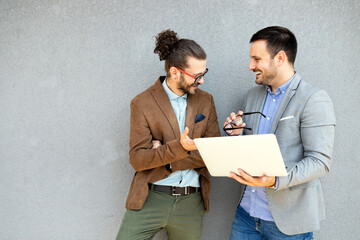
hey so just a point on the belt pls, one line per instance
(175, 191)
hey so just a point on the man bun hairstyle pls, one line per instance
(164, 43)
(277, 39)
(176, 51)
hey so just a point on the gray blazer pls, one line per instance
(304, 127)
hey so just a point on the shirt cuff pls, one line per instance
(276, 184)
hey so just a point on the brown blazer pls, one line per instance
(152, 117)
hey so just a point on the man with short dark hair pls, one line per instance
(171, 186)
(302, 118)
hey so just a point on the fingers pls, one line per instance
(186, 130)
(243, 177)
(187, 143)
(247, 179)
(185, 133)
(156, 143)
(233, 175)
(229, 119)
(234, 121)
(237, 177)
(236, 118)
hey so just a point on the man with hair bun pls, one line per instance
(171, 186)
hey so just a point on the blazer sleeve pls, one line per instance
(142, 155)
(317, 127)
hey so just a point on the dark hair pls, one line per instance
(176, 51)
(277, 39)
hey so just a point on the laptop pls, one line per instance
(258, 155)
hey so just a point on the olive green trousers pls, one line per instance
(180, 216)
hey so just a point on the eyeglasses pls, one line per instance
(233, 126)
(196, 78)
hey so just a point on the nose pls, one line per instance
(251, 65)
(201, 80)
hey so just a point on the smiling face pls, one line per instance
(181, 83)
(262, 64)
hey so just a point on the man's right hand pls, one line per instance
(234, 120)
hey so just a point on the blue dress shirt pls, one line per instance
(254, 200)
(187, 177)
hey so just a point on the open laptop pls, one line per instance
(258, 155)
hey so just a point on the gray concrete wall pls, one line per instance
(68, 70)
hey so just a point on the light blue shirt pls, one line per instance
(254, 200)
(181, 178)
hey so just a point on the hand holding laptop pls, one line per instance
(247, 179)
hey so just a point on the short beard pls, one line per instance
(271, 75)
(186, 88)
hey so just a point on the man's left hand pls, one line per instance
(156, 143)
(246, 179)
(187, 143)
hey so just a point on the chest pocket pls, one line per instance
(288, 129)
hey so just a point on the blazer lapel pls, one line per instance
(163, 102)
(191, 111)
(258, 108)
(254, 103)
(285, 102)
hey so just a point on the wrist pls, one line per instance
(273, 186)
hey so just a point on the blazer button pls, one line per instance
(165, 176)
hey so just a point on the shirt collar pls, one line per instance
(282, 88)
(171, 94)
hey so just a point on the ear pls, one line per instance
(173, 72)
(280, 58)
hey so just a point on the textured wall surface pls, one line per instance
(68, 70)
